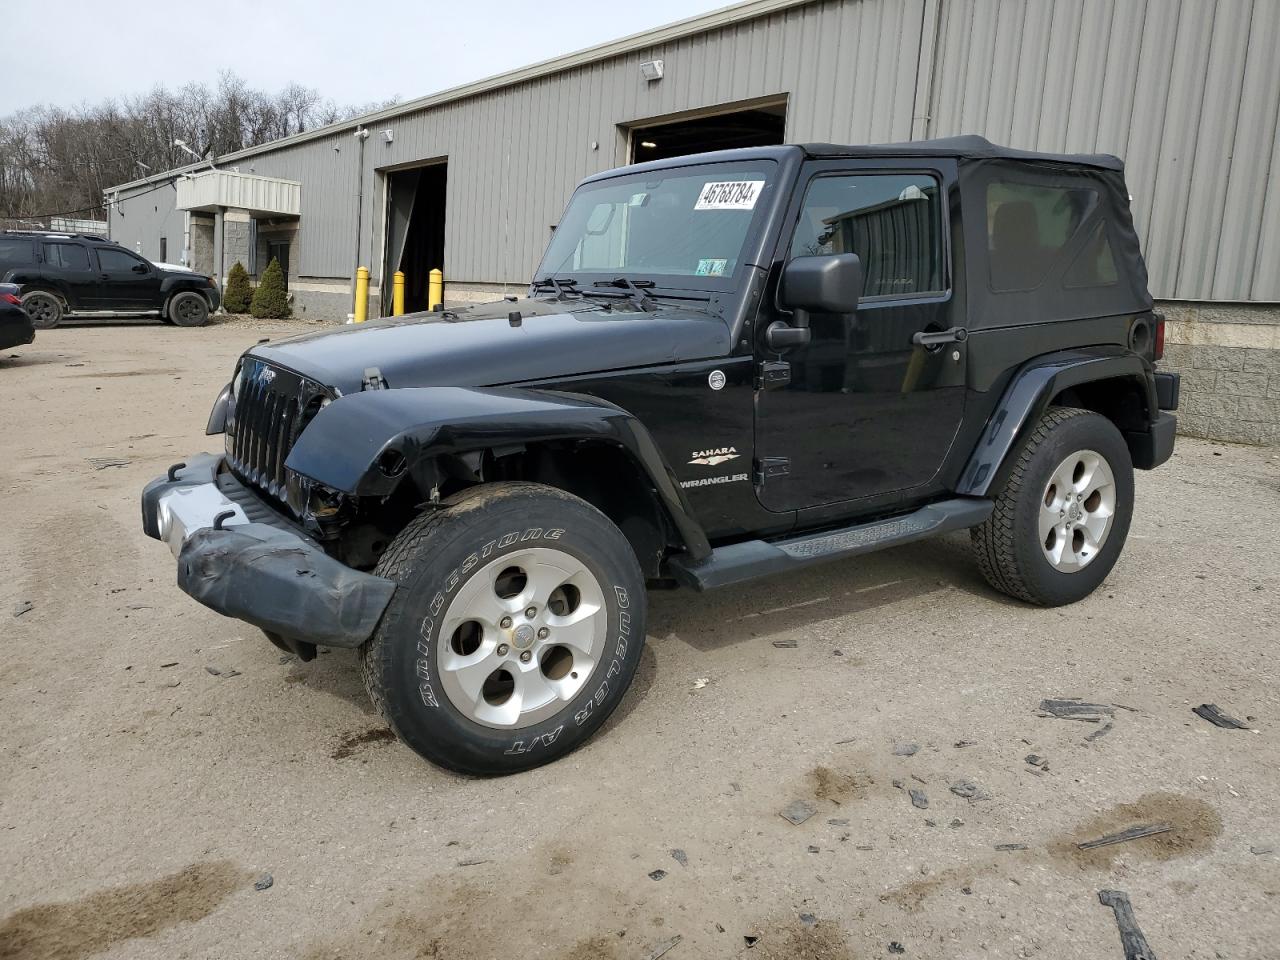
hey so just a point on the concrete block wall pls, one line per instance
(1229, 360)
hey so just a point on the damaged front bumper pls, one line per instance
(237, 556)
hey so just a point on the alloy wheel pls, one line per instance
(522, 638)
(1077, 510)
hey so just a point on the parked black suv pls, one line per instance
(76, 274)
(728, 366)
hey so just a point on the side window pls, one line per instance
(15, 252)
(66, 256)
(116, 261)
(893, 222)
(1028, 226)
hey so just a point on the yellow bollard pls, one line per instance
(362, 294)
(435, 289)
(397, 294)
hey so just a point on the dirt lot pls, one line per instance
(141, 794)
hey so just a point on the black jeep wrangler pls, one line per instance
(729, 366)
(87, 276)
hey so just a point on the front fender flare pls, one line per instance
(344, 447)
(1029, 394)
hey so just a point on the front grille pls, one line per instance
(270, 408)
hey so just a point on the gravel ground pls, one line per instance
(142, 793)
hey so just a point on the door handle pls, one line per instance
(936, 338)
(106, 276)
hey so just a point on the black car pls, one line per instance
(87, 276)
(16, 328)
(728, 366)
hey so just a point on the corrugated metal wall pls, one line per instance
(1186, 91)
(145, 218)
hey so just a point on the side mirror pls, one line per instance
(140, 268)
(825, 284)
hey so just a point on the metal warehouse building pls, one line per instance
(472, 180)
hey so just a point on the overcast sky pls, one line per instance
(352, 52)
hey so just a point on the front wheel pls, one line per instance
(44, 309)
(515, 630)
(189, 310)
(1062, 517)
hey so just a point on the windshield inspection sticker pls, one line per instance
(711, 267)
(730, 195)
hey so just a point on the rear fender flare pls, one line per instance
(353, 439)
(1028, 395)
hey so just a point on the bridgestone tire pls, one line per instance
(433, 560)
(189, 310)
(1009, 550)
(44, 309)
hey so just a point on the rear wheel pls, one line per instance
(189, 310)
(516, 629)
(1061, 520)
(44, 309)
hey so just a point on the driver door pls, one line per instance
(862, 411)
(126, 282)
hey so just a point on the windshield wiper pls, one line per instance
(561, 287)
(637, 296)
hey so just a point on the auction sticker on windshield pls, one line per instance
(729, 195)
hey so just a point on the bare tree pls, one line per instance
(56, 161)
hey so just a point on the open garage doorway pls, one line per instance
(760, 124)
(415, 232)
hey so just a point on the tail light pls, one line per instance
(10, 298)
(1159, 338)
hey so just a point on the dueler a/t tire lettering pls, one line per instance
(434, 559)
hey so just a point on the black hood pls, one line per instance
(480, 346)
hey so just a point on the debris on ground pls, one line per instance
(969, 790)
(750, 939)
(906, 749)
(700, 682)
(224, 674)
(473, 862)
(166, 666)
(839, 822)
(808, 919)
(1101, 732)
(1262, 851)
(1131, 938)
(1072, 709)
(102, 463)
(657, 874)
(956, 822)
(785, 644)
(663, 947)
(1037, 761)
(961, 744)
(813, 849)
(1005, 847)
(896, 947)
(798, 811)
(680, 857)
(1218, 717)
(24, 606)
(1123, 836)
(264, 882)
(918, 799)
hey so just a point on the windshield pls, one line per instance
(677, 227)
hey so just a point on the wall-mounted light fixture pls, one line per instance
(651, 70)
(648, 144)
(388, 136)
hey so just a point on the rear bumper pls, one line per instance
(264, 573)
(1152, 448)
(15, 331)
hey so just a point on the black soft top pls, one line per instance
(969, 147)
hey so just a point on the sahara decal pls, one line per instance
(717, 455)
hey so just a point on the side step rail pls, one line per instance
(739, 562)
